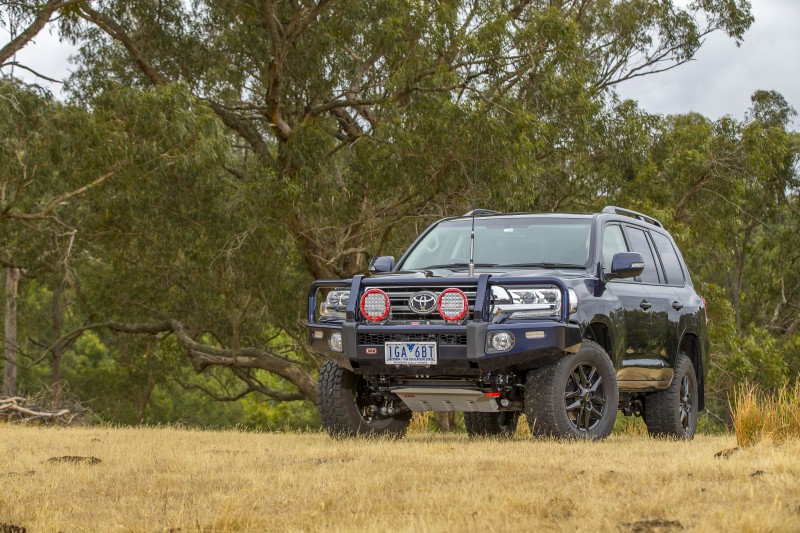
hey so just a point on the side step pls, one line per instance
(428, 399)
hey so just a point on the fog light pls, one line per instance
(335, 341)
(318, 334)
(501, 341)
(534, 334)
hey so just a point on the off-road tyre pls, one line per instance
(500, 424)
(551, 393)
(672, 412)
(337, 390)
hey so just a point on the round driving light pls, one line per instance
(375, 305)
(501, 341)
(335, 341)
(453, 304)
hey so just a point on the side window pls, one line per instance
(669, 259)
(639, 244)
(613, 242)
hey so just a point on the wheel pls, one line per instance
(343, 400)
(574, 397)
(500, 424)
(672, 412)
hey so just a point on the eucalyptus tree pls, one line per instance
(350, 125)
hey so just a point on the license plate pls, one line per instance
(410, 353)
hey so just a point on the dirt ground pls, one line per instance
(168, 479)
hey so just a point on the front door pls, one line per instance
(630, 294)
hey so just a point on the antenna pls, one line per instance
(474, 207)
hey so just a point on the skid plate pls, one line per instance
(428, 399)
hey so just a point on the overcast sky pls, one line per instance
(718, 82)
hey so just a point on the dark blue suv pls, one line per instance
(567, 318)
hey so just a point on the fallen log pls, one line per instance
(10, 407)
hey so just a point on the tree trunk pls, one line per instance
(10, 333)
(58, 347)
(447, 421)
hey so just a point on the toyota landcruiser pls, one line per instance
(568, 318)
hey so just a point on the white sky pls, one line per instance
(722, 77)
(718, 82)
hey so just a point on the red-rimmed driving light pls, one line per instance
(453, 304)
(375, 305)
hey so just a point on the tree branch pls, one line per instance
(117, 32)
(31, 31)
(53, 204)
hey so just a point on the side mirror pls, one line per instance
(625, 265)
(384, 263)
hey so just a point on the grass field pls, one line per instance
(184, 480)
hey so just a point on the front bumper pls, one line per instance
(461, 349)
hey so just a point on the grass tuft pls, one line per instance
(759, 415)
(421, 422)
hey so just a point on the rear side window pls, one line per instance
(669, 259)
(613, 243)
(639, 244)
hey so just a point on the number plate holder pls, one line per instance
(411, 353)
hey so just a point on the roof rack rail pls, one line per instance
(633, 214)
(479, 212)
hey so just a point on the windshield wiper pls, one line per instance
(542, 265)
(452, 266)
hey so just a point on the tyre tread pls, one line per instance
(661, 416)
(487, 424)
(337, 410)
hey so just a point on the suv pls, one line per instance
(564, 317)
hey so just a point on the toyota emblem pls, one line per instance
(423, 302)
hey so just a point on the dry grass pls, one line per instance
(759, 416)
(180, 480)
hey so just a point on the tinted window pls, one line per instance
(669, 259)
(613, 243)
(639, 244)
(505, 241)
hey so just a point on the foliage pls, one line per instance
(244, 149)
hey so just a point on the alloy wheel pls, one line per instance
(584, 397)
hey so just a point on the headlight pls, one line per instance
(531, 302)
(335, 304)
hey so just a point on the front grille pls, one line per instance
(398, 296)
(458, 339)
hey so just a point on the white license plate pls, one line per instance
(410, 353)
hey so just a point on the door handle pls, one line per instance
(676, 305)
(645, 305)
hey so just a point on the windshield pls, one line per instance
(504, 242)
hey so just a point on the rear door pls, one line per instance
(679, 293)
(653, 299)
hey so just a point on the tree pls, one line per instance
(350, 124)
